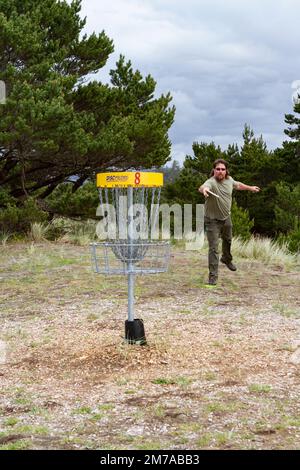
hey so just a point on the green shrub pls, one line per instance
(6, 198)
(242, 224)
(82, 203)
(14, 219)
(291, 240)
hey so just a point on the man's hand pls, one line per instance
(254, 189)
(204, 190)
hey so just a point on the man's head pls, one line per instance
(220, 169)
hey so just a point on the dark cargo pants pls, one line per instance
(214, 230)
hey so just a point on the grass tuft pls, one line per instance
(38, 231)
(265, 250)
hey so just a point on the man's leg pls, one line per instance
(226, 244)
(226, 241)
(213, 233)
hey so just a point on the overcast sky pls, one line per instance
(226, 63)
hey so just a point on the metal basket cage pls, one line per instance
(140, 257)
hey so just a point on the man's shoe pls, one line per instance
(212, 281)
(229, 265)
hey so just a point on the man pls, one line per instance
(217, 191)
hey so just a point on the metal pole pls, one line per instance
(130, 297)
(130, 251)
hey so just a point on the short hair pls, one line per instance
(216, 162)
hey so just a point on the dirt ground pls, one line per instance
(221, 368)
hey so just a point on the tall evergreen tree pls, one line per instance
(289, 154)
(54, 124)
(293, 131)
(253, 164)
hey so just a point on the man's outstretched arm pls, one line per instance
(204, 189)
(244, 187)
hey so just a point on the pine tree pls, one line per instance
(293, 131)
(53, 124)
(253, 164)
(289, 154)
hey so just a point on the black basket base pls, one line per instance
(135, 332)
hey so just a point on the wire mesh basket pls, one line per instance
(120, 257)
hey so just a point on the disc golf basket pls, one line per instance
(129, 203)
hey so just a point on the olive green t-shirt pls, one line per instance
(219, 207)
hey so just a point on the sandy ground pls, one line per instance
(221, 368)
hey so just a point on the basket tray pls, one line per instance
(123, 257)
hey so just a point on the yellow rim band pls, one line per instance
(129, 178)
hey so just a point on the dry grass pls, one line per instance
(219, 370)
(38, 232)
(265, 250)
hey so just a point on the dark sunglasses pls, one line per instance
(220, 169)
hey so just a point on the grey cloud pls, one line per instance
(225, 63)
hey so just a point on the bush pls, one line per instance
(242, 224)
(19, 219)
(6, 198)
(82, 203)
(291, 240)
